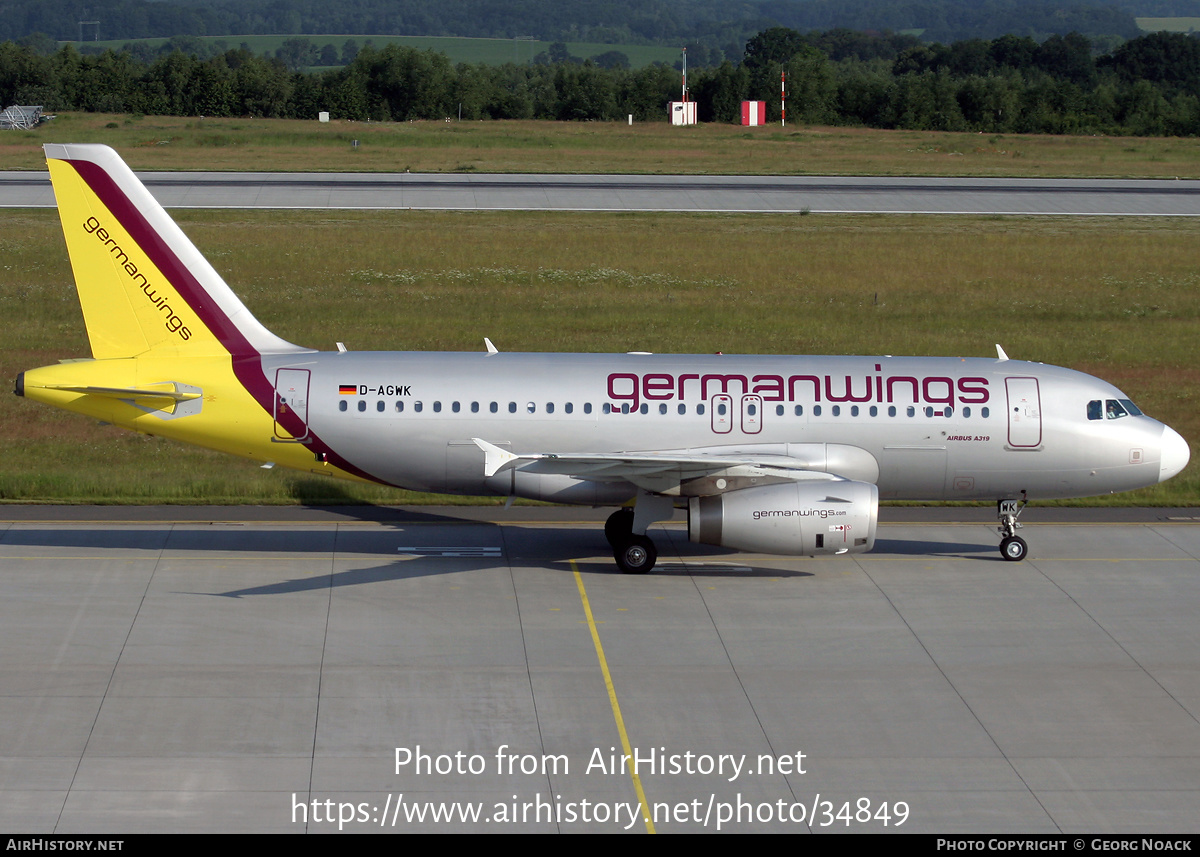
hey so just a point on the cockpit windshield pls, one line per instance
(1111, 409)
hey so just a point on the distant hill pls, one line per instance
(721, 27)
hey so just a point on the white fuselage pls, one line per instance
(937, 428)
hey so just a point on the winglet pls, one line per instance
(495, 459)
(1000, 355)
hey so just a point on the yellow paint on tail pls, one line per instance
(158, 366)
(129, 305)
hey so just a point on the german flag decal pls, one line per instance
(347, 389)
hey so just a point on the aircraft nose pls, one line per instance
(1175, 454)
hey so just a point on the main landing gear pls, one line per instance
(1012, 546)
(625, 530)
(635, 554)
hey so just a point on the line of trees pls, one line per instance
(1147, 86)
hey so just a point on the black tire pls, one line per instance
(1013, 548)
(636, 556)
(619, 527)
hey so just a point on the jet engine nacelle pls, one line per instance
(793, 518)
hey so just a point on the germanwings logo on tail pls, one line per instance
(172, 321)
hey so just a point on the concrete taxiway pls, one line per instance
(257, 670)
(823, 194)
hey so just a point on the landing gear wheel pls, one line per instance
(619, 527)
(636, 556)
(1013, 548)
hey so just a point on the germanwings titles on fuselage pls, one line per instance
(777, 454)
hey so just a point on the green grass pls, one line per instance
(477, 51)
(1118, 297)
(171, 143)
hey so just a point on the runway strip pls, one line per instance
(821, 194)
(260, 676)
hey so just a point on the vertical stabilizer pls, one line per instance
(144, 287)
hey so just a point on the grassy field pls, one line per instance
(169, 143)
(1170, 25)
(1119, 298)
(485, 51)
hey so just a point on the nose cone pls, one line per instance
(1175, 454)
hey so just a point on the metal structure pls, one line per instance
(21, 117)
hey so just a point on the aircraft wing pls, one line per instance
(670, 473)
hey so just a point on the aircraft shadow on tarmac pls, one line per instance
(552, 548)
(915, 547)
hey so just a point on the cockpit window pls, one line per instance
(1112, 409)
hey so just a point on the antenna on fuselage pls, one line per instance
(1000, 352)
(491, 348)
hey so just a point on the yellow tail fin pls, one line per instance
(144, 287)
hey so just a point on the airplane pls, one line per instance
(775, 454)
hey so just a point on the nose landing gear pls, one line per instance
(1012, 546)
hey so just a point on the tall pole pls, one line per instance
(685, 76)
(782, 100)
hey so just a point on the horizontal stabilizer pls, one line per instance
(158, 397)
(128, 392)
